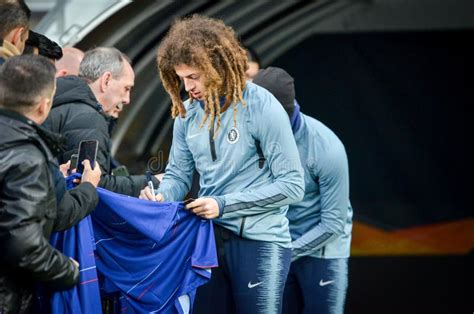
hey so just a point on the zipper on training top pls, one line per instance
(212, 144)
(242, 225)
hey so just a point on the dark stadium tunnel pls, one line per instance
(389, 77)
(137, 30)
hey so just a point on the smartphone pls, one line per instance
(73, 164)
(120, 171)
(87, 150)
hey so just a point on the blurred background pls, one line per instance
(390, 77)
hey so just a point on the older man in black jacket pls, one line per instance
(28, 211)
(87, 106)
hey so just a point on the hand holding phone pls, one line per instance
(91, 175)
(87, 150)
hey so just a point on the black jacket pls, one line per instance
(78, 116)
(28, 215)
(73, 205)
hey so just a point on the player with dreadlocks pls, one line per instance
(220, 56)
(247, 160)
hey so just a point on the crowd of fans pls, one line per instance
(273, 181)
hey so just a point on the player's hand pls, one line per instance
(146, 194)
(205, 207)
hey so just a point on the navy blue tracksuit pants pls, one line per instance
(316, 285)
(250, 279)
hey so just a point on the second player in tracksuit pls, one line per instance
(321, 224)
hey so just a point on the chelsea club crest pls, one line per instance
(233, 136)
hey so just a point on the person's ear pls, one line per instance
(18, 35)
(105, 81)
(44, 106)
(62, 72)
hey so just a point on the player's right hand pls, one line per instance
(146, 194)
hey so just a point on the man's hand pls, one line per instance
(64, 168)
(146, 194)
(205, 207)
(89, 175)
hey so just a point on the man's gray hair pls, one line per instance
(100, 60)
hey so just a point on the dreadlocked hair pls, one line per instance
(212, 47)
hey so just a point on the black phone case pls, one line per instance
(87, 150)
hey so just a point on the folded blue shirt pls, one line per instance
(151, 253)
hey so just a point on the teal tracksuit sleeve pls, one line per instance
(179, 171)
(272, 129)
(331, 170)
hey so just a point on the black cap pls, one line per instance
(46, 47)
(278, 82)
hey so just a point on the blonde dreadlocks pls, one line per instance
(212, 47)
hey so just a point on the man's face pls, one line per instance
(47, 102)
(193, 80)
(118, 91)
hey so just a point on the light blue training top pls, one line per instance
(253, 170)
(321, 224)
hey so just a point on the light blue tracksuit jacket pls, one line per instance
(321, 224)
(253, 170)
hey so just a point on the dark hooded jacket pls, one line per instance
(77, 115)
(28, 215)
